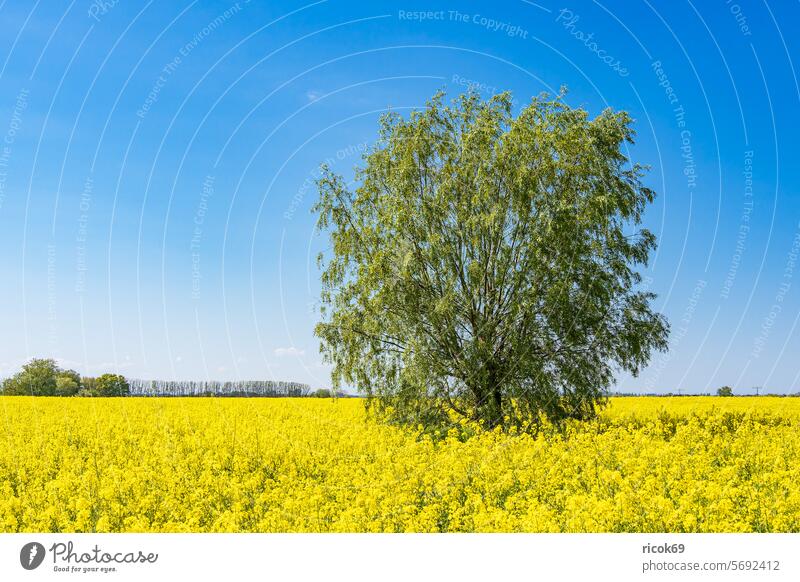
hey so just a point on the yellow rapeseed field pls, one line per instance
(241, 465)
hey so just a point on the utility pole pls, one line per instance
(757, 389)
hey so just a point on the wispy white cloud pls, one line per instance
(313, 95)
(289, 352)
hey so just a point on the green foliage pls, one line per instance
(88, 386)
(66, 385)
(42, 377)
(484, 268)
(322, 393)
(725, 391)
(111, 385)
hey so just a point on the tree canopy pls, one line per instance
(484, 267)
(725, 391)
(111, 385)
(42, 377)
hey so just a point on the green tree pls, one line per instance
(112, 385)
(485, 265)
(725, 391)
(39, 377)
(66, 385)
(88, 386)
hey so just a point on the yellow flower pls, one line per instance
(196, 464)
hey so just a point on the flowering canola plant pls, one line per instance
(686, 464)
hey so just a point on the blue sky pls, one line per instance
(157, 163)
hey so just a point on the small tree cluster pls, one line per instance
(43, 377)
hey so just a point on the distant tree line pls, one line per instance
(724, 391)
(257, 388)
(43, 377)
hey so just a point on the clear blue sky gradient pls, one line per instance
(157, 164)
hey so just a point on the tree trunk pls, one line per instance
(494, 393)
(498, 405)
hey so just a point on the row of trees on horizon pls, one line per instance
(724, 391)
(262, 388)
(44, 377)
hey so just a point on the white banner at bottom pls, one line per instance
(418, 557)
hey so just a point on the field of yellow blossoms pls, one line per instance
(292, 465)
